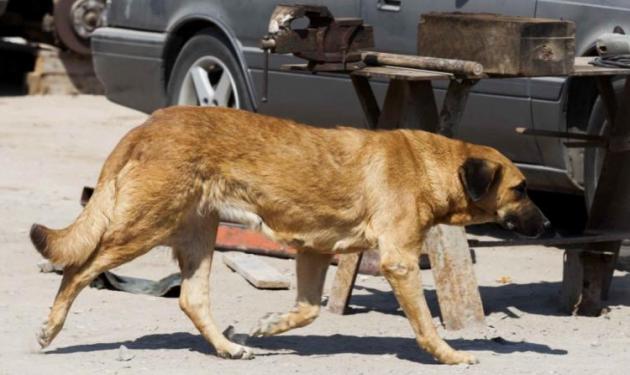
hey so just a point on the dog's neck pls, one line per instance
(451, 204)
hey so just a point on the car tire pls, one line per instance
(207, 73)
(593, 156)
(593, 159)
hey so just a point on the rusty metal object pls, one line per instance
(328, 43)
(504, 45)
(459, 67)
(324, 40)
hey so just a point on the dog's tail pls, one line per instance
(74, 245)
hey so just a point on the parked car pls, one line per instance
(156, 53)
(67, 23)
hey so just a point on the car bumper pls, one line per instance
(129, 63)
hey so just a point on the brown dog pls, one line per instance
(323, 191)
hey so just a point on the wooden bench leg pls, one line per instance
(586, 279)
(346, 275)
(455, 281)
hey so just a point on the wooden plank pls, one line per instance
(342, 286)
(584, 68)
(456, 284)
(257, 272)
(367, 100)
(406, 74)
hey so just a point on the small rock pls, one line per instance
(124, 355)
(235, 337)
(514, 312)
(596, 344)
(499, 340)
(45, 266)
(229, 332)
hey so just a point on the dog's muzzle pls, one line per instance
(528, 221)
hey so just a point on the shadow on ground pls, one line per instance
(534, 298)
(316, 345)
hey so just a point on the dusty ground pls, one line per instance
(52, 146)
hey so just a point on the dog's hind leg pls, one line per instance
(142, 218)
(194, 249)
(107, 256)
(311, 272)
(399, 265)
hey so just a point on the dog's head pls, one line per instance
(497, 192)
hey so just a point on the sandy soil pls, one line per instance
(52, 146)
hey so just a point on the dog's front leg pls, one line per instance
(311, 272)
(399, 265)
(195, 260)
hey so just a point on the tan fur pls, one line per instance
(324, 191)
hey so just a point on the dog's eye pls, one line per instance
(520, 189)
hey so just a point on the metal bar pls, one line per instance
(585, 144)
(558, 134)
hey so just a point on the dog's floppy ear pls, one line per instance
(478, 176)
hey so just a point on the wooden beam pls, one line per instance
(610, 211)
(455, 281)
(421, 111)
(394, 106)
(367, 100)
(345, 277)
(462, 67)
(454, 106)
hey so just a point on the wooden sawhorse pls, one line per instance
(410, 103)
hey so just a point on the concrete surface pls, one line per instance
(50, 147)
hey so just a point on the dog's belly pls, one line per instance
(328, 240)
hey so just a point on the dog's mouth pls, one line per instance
(530, 227)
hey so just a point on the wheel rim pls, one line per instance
(87, 16)
(209, 82)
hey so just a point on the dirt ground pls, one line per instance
(50, 147)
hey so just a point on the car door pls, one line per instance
(496, 106)
(321, 99)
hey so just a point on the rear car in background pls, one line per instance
(156, 53)
(67, 23)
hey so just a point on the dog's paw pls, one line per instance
(237, 352)
(461, 358)
(43, 337)
(266, 325)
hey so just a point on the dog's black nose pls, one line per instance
(547, 224)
